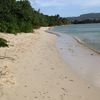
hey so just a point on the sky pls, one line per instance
(66, 8)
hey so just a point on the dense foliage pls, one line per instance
(19, 16)
(85, 21)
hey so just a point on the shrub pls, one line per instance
(3, 43)
(3, 26)
(26, 27)
(13, 28)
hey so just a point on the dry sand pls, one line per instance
(32, 69)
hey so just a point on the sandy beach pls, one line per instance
(33, 69)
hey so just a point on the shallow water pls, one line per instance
(88, 33)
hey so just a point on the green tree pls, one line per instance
(19, 16)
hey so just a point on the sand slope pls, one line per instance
(34, 70)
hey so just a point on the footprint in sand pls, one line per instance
(35, 97)
(52, 69)
(71, 50)
(71, 80)
(64, 90)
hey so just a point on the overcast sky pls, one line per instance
(66, 7)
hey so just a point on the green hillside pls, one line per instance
(86, 18)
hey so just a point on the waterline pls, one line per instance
(88, 33)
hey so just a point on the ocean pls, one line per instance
(88, 33)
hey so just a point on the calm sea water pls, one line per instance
(88, 33)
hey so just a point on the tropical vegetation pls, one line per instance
(19, 16)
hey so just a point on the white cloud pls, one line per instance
(47, 3)
(91, 3)
(50, 3)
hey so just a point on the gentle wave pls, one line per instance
(83, 43)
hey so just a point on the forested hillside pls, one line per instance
(19, 16)
(86, 18)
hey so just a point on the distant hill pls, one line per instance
(85, 18)
(90, 16)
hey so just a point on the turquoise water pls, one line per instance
(88, 33)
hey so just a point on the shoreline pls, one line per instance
(76, 38)
(40, 71)
(48, 31)
(81, 42)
